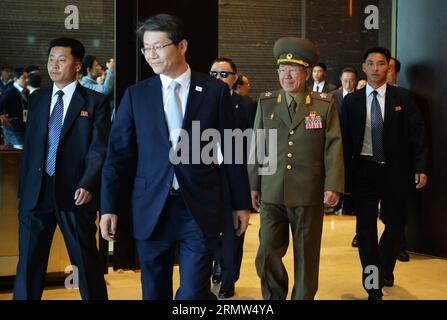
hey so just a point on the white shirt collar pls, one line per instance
(18, 87)
(321, 84)
(68, 89)
(345, 92)
(381, 90)
(184, 79)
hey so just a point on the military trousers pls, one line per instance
(306, 224)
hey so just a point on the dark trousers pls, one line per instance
(230, 250)
(36, 230)
(368, 193)
(176, 225)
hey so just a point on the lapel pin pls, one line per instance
(236, 106)
(398, 108)
(199, 88)
(84, 113)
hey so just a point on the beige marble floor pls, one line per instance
(422, 278)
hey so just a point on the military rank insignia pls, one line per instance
(308, 100)
(313, 121)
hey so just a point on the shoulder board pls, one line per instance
(322, 96)
(269, 95)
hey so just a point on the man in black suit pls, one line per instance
(386, 159)
(319, 76)
(174, 201)
(229, 254)
(65, 147)
(13, 104)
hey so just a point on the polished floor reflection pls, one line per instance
(423, 278)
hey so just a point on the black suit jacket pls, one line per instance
(12, 104)
(328, 87)
(404, 135)
(245, 109)
(138, 157)
(81, 151)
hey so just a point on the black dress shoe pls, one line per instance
(388, 281)
(374, 297)
(403, 256)
(355, 242)
(225, 293)
(217, 273)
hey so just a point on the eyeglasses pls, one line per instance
(223, 74)
(157, 48)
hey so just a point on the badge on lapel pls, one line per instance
(398, 108)
(199, 89)
(84, 113)
(313, 121)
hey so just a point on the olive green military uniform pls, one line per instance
(309, 162)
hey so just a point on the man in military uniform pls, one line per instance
(309, 172)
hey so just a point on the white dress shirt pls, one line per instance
(68, 94)
(319, 87)
(184, 80)
(367, 140)
(345, 92)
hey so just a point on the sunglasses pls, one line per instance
(223, 74)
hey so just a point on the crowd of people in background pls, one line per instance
(17, 84)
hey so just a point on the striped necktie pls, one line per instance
(54, 132)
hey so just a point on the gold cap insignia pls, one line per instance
(289, 56)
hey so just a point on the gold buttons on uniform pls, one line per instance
(290, 143)
(289, 167)
(289, 155)
(292, 132)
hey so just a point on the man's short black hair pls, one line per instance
(381, 50)
(349, 69)
(35, 80)
(17, 72)
(321, 65)
(87, 62)
(32, 68)
(77, 48)
(170, 24)
(228, 60)
(396, 64)
(6, 67)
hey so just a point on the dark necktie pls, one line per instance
(25, 94)
(377, 129)
(54, 132)
(292, 109)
